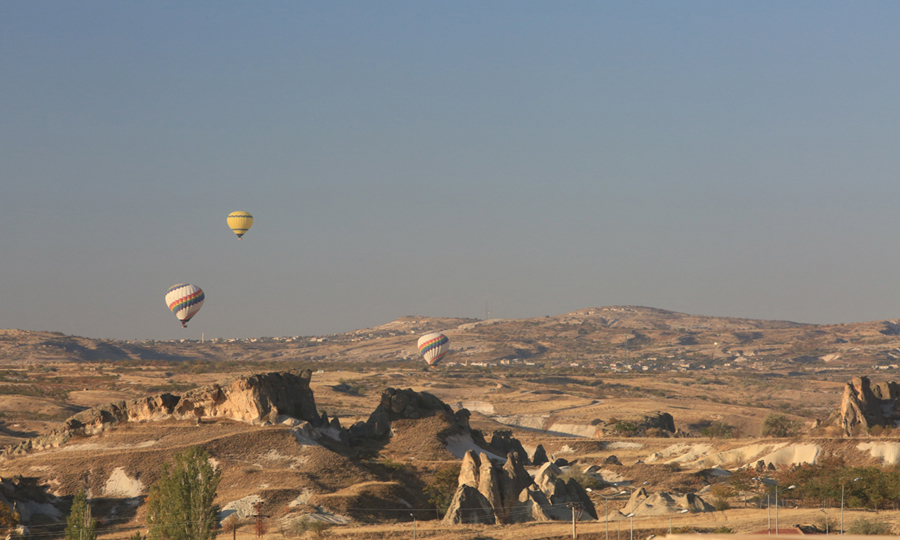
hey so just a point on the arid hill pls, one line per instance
(596, 336)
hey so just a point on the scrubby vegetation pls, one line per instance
(779, 425)
(869, 527)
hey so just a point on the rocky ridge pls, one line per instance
(255, 399)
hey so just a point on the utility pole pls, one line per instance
(576, 512)
(260, 526)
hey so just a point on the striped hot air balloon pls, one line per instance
(185, 301)
(240, 222)
(433, 347)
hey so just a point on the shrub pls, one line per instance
(868, 526)
(721, 493)
(779, 425)
(583, 478)
(623, 426)
(718, 430)
(314, 526)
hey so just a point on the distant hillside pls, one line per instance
(615, 337)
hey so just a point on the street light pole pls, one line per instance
(842, 501)
(685, 511)
(606, 499)
(633, 506)
(777, 491)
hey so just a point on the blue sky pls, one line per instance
(430, 158)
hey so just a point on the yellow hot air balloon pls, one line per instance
(240, 222)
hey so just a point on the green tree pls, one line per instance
(442, 488)
(80, 525)
(180, 505)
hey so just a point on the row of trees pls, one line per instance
(822, 483)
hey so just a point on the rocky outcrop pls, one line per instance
(661, 421)
(488, 482)
(470, 470)
(531, 506)
(398, 404)
(499, 485)
(503, 441)
(561, 493)
(513, 479)
(865, 406)
(539, 457)
(469, 506)
(515, 497)
(660, 424)
(659, 504)
(255, 399)
(611, 460)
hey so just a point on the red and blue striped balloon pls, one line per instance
(185, 301)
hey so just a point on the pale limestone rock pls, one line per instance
(488, 484)
(469, 470)
(469, 506)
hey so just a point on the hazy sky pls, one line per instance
(430, 158)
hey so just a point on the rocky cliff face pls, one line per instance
(256, 399)
(865, 406)
(405, 404)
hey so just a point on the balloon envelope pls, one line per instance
(185, 301)
(240, 222)
(433, 347)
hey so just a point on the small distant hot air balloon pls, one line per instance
(433, 347)
(240, 222)
(185, 301)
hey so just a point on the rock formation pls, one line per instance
(659, 504)
(661, 420)
(511, 493)
(561, 493)
(540, 456)
(513, 479)
(488, 482)
(257, 399)
(396, 404)
(864, 406)
(531, 506)
(469, 506)
(504, 443)
(611, 460)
